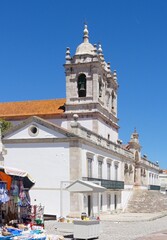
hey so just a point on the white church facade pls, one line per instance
(60, 141)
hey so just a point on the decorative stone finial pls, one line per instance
(134, 141)
(68, 57)
(100, 51)
(75, 123)
(108, 66)
(86, 34)
(75, 117)
(102, 58)
(135, 136)
(95, 48)
(115, 75)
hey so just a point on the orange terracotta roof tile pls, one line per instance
(15, 110)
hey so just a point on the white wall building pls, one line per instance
(62, 140)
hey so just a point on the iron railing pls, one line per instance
(154, 187)
(109, 184)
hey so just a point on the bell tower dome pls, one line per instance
(91, 87)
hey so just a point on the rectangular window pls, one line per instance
(90, 167)
(100, 169)
(108, 171)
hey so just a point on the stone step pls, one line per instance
(147, 201)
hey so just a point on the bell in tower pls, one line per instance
(82, 85)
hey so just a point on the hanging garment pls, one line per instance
(3, 193)
(24, 198)
(14, 188)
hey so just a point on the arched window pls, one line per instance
(126, 168)
(130, 169)
(82, 85)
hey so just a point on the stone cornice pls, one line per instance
(38, 140)
(109, 118)
(41, 122)
(117, 152)
(67, 140)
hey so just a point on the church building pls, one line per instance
(61, 141)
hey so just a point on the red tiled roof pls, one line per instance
(16, 110)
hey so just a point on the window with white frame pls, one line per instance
(116, 171)
(100, 166)
(90, 167)
(90, 157)
(100, 163)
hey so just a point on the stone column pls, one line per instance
(75, 174)
(137, 176)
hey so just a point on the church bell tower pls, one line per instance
(91, 87)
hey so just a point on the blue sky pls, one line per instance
(34, 35)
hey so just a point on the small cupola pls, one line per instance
(134, 141)
(85, 47)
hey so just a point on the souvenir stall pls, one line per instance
(14, 194)
(19, 220)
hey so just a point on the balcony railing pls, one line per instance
(154, 187)
(109, 184)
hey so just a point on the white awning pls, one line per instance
(28, 181)
(81, 186)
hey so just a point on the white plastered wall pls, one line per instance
(48, 164)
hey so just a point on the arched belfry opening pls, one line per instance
(82, 85)
(112, 100)
(100, 88)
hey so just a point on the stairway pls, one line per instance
(146, 201)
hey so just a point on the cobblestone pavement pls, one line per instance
(127, 230)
